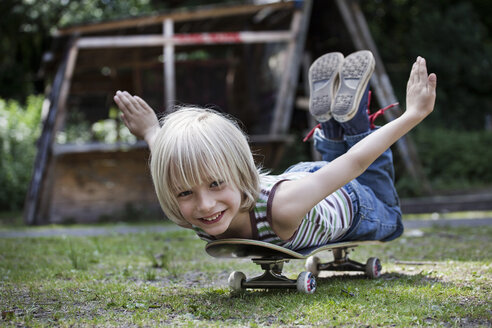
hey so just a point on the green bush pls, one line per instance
(452, 160)
(19, 129)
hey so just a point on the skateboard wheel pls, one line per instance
(373, 268)
(235, 281)
(312, 265)
(306, 282)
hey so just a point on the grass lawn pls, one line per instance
(440, 277)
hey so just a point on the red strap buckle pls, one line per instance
(310, 134)
(374, 116)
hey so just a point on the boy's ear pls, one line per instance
(245, 198)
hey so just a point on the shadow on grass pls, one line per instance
(395, 298)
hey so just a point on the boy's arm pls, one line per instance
(294, 199)
(138, 116)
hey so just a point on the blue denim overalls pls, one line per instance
(377, 214)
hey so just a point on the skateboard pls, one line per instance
(272, 257)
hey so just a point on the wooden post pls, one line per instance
(39, 193)
(47, 183)
(137, 73)
(361, 36)
(285, 96)
(169, 72)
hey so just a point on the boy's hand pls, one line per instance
(137, 115)
(421, 89)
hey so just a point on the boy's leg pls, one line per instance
(378, 215)
(350, 110)
(329, 149)
(378, 207)
(346, 112)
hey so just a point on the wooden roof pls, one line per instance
(188, 14)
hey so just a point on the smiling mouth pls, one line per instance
(213, 219)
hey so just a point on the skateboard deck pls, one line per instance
(272, 257)
(248, 248)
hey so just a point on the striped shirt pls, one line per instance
(326, 222)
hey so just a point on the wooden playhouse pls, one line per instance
(247, 60)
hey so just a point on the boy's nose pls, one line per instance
(206, 203)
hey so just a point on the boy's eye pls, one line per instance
(216, 184)
(184, 193)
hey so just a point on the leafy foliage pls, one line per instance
(455, 159)
(19, 130)
(455, 38)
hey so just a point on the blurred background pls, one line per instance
(453, 144)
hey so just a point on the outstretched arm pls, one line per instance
(138, 116)
(295, 198)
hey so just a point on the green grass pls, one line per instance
(449, 215)
(442, 278)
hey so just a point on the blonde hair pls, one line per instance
(197, 145)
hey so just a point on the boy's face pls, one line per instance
(211, 206)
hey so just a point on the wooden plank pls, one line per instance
(285, 97)
(178, 16)
(92, 185)
(359, 31)
(94, 147)
(154, 40)
(88, 59)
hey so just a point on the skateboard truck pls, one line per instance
(272, 278)
(341, 262)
